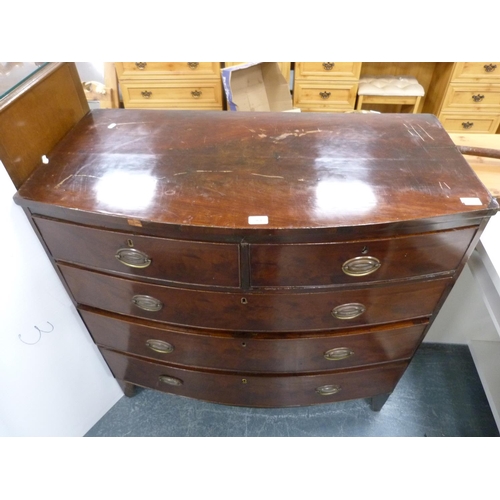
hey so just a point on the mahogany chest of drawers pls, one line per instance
(257, 259)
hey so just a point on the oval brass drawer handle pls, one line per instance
(338, 353)
(328, 390)
(328, 65)
(166, 379)
(467, 125)
(490, 67)
(193, 65)
(133, 258)
(348, 311)
(361, 266)
(160, 346)
(477, 97)
(325, 95)
(146, 94)
(141, 65)
(147, 303)
(196, 93)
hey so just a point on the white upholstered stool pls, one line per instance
(389, 90)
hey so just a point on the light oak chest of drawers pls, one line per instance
(465, 96)
(170, 85)
(257, 259)
(326, 86)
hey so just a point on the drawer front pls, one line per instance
(328, 70)
(255, 311)
(179, 95)
(329, 96)
(476, 71)
(215, 264)
(256, 390)
(470, 123)
(148, 70)
(332, 263)
(253, 352)
(472, 97)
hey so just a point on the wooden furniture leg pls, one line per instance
(127, 388)
(377, 402)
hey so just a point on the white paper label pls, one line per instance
(471, 201)
(258, 219)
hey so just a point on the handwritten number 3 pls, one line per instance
(40, 331)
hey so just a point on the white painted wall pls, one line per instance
(464, 316)
(54, 383)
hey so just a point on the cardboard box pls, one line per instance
(256, 87)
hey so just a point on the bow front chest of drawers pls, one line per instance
(257, 259)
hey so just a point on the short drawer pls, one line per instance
(242, 389)
(472, 123)
(179, 95)
(329, 96)
(477, 71)
(472, 97)
(328, 70)
(255, 311)
(148, 70)
(215, 264)
(363, 261)
(294, 353)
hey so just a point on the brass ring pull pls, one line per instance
(338, 353)
(147, 303)
(467, 125)
(146, 94)
(328, 65)
(348, 311)
(159, 346)
(325, 95)
(166, 379)
(133, 258)
(490, 67)
(361, 266)
(477, 97)
(141, 65)
(328, 390)
(193, 65)
(196, 93)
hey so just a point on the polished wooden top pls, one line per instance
(300, 170)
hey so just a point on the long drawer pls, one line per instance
(327, 70)
(176, 94)
(327, 96)
(241, 389)
(215, 264)
(473, 97)
(294, 353)
(164, 70)
(255, 311)
(331, 263)
(479, 123)
(476, 71)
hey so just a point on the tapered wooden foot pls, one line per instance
(377, 402)
(127, 388)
